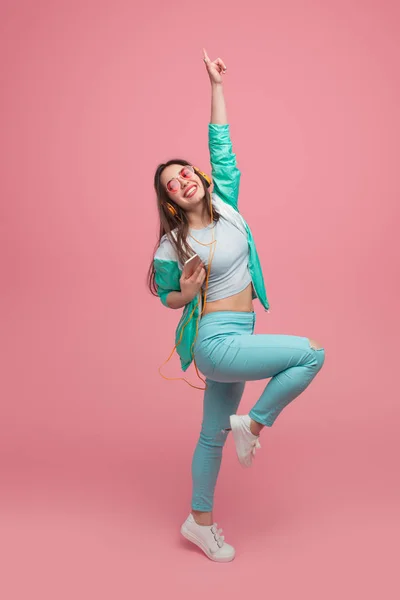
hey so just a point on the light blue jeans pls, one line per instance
(228, 353)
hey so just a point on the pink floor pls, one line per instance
(97, 515)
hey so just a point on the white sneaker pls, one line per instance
(209, 539)
(246, 443)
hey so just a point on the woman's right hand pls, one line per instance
(190, 286)
(215, 68)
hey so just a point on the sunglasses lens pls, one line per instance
(174, 185)
(186, 173)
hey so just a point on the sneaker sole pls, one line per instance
(234, 421)
(192, 538)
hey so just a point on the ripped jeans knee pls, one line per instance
(319, 353)
(315, 345)
(216, 439)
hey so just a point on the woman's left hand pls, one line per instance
(215, 68)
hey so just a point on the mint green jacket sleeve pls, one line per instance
(166, 278)
(224, 171)
(167, 271)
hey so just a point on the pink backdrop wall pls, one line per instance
(95, 448)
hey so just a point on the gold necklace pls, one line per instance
(201, 243)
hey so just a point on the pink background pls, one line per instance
(95, 446)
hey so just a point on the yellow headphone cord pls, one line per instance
(211, 256)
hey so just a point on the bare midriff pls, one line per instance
(241, 302)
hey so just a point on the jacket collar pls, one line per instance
(227, 212)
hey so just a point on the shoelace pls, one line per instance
(255, 445)
(218, 538)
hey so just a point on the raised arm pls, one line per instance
(224, 171)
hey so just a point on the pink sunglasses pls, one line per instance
(174, 185)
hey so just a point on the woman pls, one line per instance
(217, 326)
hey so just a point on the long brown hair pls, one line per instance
(179, 222)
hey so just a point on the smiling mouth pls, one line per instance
(191, 191)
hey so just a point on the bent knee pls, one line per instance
(315, 345)
(319, 354)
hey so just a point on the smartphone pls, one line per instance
(191, 265)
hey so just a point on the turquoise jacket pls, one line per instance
(168, 270)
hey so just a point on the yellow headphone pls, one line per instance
(171, 209)
(173, 212)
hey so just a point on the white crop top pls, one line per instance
(229, 267)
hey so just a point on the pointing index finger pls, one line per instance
(205, 57)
